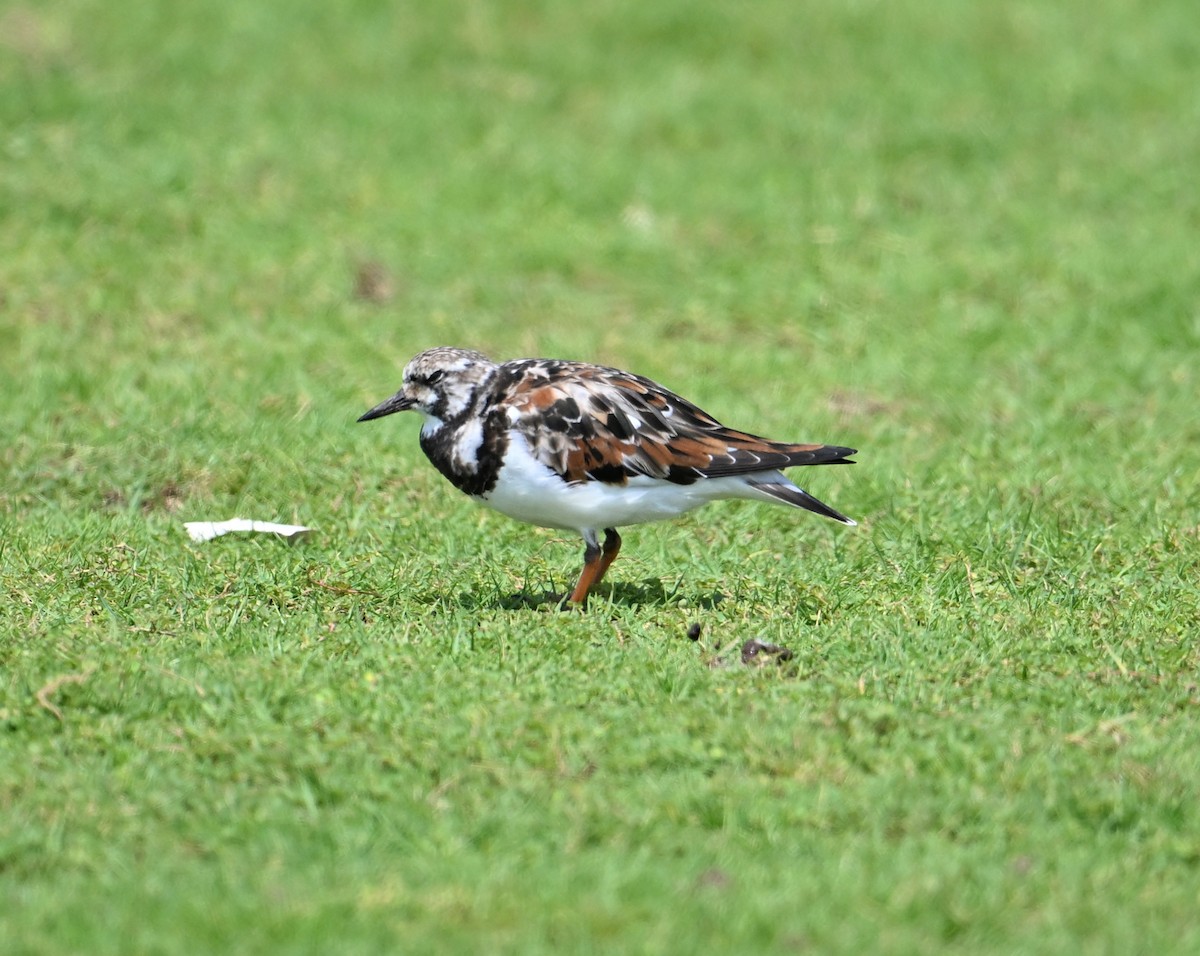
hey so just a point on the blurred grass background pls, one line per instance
(959, 236)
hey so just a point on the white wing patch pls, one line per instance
(467, 443)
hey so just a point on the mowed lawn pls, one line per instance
(961, 237)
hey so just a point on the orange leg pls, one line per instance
(595, 563)
(612, 546)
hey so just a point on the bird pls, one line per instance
(588, 448)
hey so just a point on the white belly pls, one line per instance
(529, 491)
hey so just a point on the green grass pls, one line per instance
(958, 236)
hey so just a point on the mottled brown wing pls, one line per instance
(588, 422)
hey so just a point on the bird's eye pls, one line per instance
(435, 377)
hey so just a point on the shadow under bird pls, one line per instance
(587, 448)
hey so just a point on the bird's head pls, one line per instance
(439, 383)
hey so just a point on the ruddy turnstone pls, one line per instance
(588, 448)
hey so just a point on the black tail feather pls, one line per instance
(791, 495)
(770, 456)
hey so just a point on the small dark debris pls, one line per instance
(754, 653)
(693, 631)
(759, 652)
